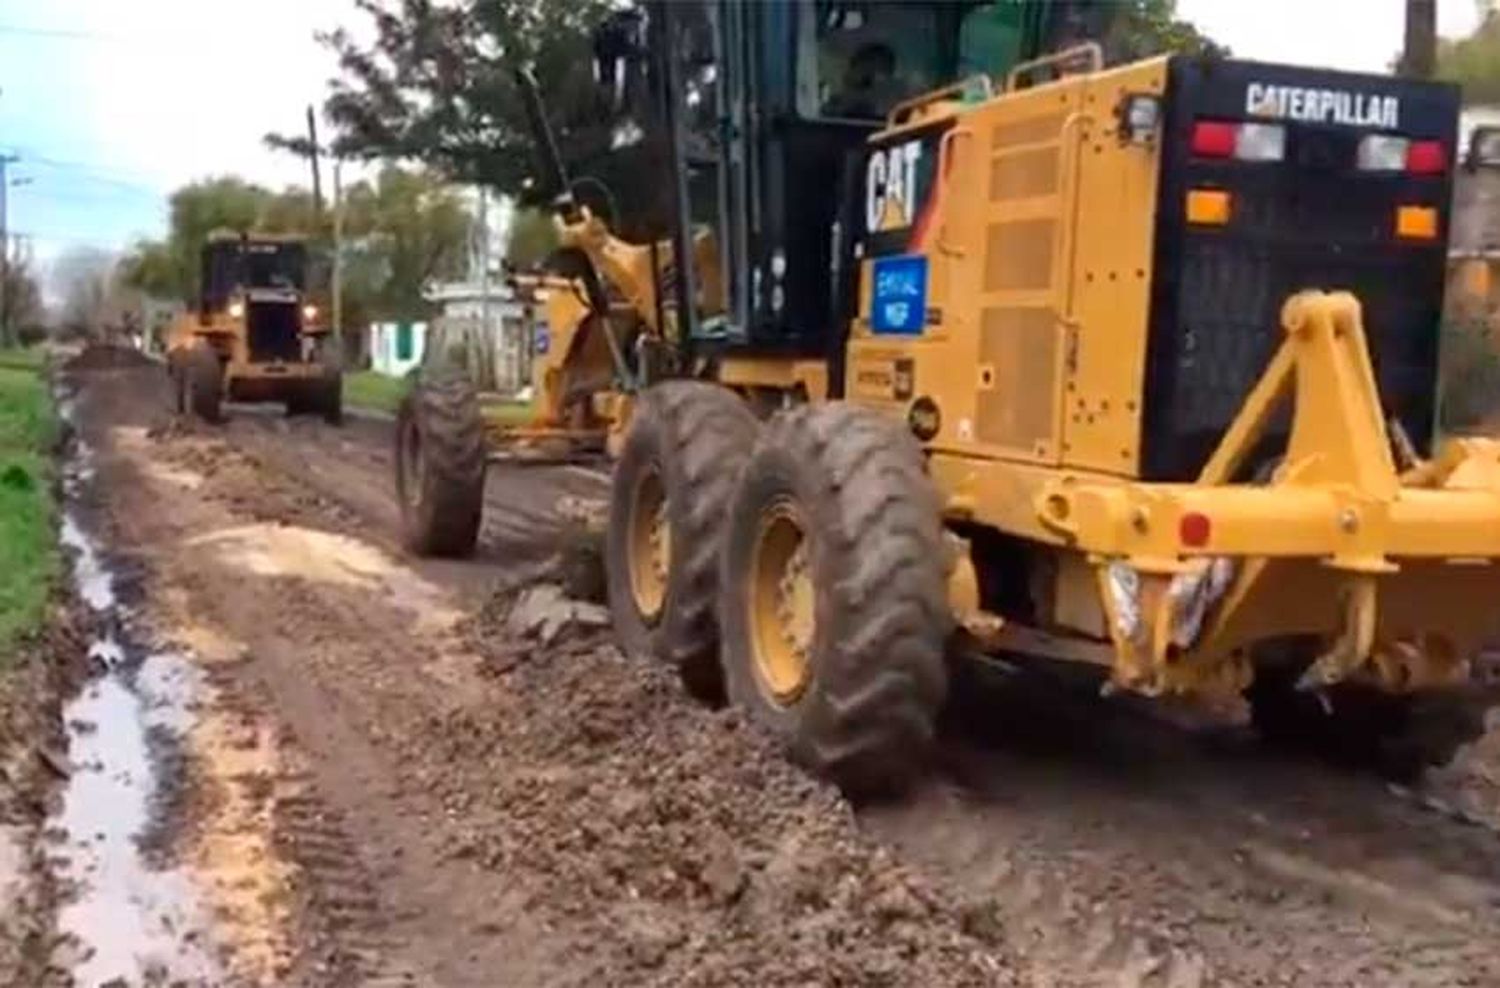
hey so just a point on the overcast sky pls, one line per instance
(1359, 35)
(112, 103)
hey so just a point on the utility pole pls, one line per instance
(312, 156)
(338, 259)
(491, 345)
(5, 160)
(1419, 50)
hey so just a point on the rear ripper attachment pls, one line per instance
(1393, 568)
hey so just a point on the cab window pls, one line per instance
(857, 60)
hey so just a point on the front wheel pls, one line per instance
(668, 493)
(833, 599)
(204, 383)
(440, 459)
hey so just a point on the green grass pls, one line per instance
(29, 561)
(378, 392)
(373, 390)
(22, 358)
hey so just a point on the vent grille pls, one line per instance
(1019, 345)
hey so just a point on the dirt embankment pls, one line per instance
(457, 803)
(40, 674)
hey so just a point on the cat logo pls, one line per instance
(891, 187)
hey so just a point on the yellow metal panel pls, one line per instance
(1017, 346)
(1111, 247)
(1018, 256)
(1027, 130)
(784, 375)
(1031, 160)
(1025, 175)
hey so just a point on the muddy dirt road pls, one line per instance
(340, 766)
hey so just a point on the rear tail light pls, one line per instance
(1426, 158)
(1213, 139)
(1242, 141)
(1387, 153)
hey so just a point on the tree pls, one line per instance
(532, 236)
(1139, 29)
(82, 278)
(437, 85)
(403, 230)
(171, 268)
(21, 304)
(1474, 62)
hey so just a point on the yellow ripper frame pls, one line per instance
(1394, 570)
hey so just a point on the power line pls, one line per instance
(59, 34)
(90, 172)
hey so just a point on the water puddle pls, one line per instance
(131, 918)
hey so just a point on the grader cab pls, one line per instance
(961, 341)
(256, 336)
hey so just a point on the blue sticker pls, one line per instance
(898, 303)
(541, 339)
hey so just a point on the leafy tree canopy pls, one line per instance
(1474, 62)
(401, 231)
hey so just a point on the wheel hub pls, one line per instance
(650, 547)
(782, 605)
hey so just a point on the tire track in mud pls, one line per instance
(354, 466)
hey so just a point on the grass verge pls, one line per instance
(374, 391)
(380, 393)
(29, 559)
(22, 358)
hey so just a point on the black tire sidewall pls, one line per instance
(205, 383)
(645, 449)
(406, 414)
(445, 519)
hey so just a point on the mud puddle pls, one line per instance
(129, 917)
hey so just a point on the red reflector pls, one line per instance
(1426, 158)
(1214, 139)
(1195, 529)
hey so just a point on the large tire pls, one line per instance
(205, 383)
(440, 457)
(670, 488)
(858, 699)
(330, 386)
(178, 382)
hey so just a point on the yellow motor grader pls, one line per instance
(957, 343)
(256, 336)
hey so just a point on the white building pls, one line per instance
(395, 348)
(491, 326)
